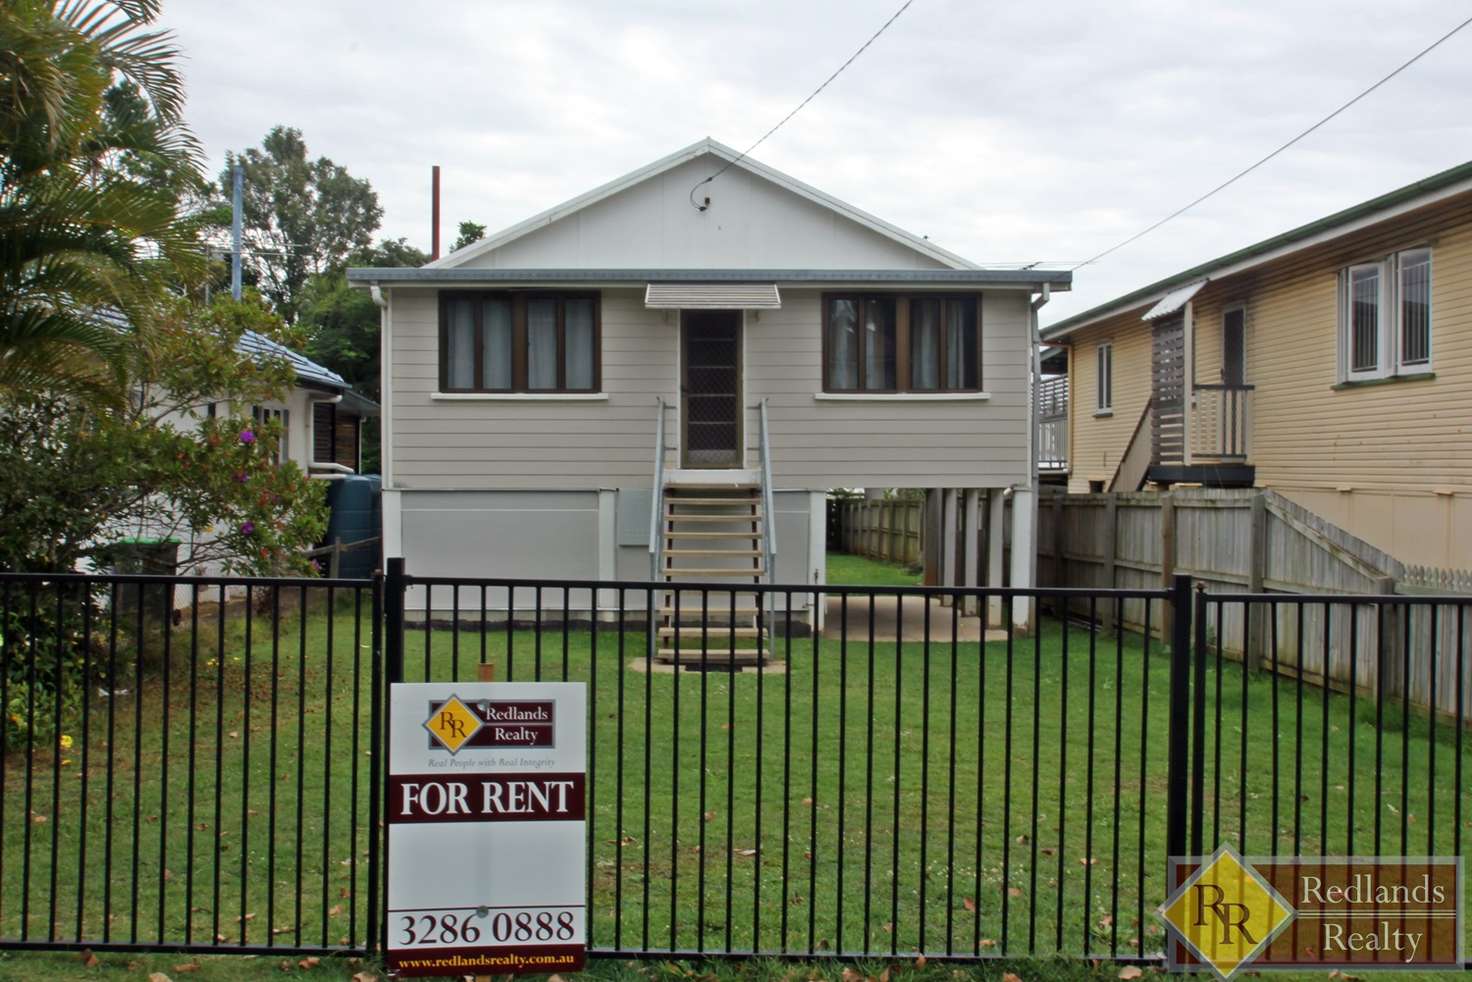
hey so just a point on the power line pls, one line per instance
(811, 96)
(1248, 170)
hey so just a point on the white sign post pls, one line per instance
(486, 828)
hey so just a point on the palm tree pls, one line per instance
(91, 220)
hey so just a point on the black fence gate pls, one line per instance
(194, 763)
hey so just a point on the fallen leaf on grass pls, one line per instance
(710, 815)
(335, 910)
(89, 960)
(969, 903)
(1011, 977)
(1014, 891)
(986, 943)
(310, 962)
(1130, 972)
(158, 977)
(370, 977)
(187, 967)
(920, 961)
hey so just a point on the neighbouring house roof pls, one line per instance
(701, 148)
(306, 369)
(308, 372)
(1454, 180)
(434, 275)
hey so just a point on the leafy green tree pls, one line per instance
(469, 232)
(342, 328)
(90, 119)
(182, 459)
(301, 217)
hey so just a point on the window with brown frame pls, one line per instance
(891, 343)
(519, 342)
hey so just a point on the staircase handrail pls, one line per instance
(656, 511)
(769, 513)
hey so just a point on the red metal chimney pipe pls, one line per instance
(434, 218)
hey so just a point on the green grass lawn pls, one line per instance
(851, 570)
(867, 798)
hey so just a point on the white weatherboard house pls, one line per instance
(660, 377)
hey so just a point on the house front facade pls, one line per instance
(1332, 363)
(557, 396)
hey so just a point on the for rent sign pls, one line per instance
(486, 828)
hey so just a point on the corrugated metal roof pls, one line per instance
(306, 369)
(253, 344)
(1174, 301)
(1444, 182)
(712, 296)
(1059, 279)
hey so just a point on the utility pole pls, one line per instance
(236, 192)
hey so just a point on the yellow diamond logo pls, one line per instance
(1225, 913)
(452, 724)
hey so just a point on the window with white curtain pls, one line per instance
(1104, 378)
(515, 342)
(1385, 316)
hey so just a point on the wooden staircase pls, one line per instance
(711, 534)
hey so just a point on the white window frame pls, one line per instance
(1346, 333)
(1104, 377)
(1389, 338)
(1401, 366)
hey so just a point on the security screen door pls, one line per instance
(710, 388)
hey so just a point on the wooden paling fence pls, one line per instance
(892, 529)
(1241, 541)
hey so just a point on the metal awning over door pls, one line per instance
(712, 296)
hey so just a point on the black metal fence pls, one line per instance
(193, 763)
(886, 784)
(1284, 764)
(185, 763)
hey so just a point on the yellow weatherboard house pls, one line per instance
(1331, 363)
(1225, 913)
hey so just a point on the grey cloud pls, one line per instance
(1005, 132)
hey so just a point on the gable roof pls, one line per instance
(701, 148)
(1453, 180)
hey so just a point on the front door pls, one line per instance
(710, 388)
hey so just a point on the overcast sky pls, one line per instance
(1005, 132)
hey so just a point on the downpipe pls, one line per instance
(1034, 431)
